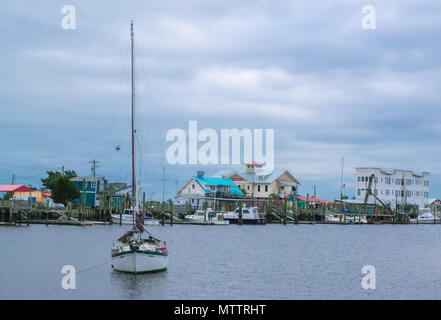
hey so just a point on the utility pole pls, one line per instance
(163, 188)
(341, 192)
(93, 168)
(13, 178)
(252, 192)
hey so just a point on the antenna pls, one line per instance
(94, 166)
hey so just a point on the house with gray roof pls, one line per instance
(256, 185)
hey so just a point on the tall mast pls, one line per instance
(341, 179)
(133, 131)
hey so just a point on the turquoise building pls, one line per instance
(94, 189)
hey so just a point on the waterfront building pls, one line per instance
(95, 187)
(280, 182)
(394, 187)
(199, 189)
(35, 195)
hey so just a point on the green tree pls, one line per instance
(274, 196)
(63, 190)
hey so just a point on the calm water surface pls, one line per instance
(228, 262)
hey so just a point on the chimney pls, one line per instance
(200, 173)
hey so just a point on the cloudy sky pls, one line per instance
(307, 69)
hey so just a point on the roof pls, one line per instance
(46, 193)
(393, 171)
(314, 199)
(254, 163)
(14, 188)
(270, 178)
(123, 192)
(218, 182)
(289, 183)
(87, 178)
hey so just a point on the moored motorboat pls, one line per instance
(249, 216)
(208, 216)
(127, 218)
(425, 216)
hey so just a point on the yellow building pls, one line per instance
(36, 196)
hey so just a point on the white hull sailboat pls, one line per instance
(140, 258)
(133, 253)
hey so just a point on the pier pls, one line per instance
(277, 211)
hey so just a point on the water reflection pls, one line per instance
(138, 286)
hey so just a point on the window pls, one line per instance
(408, 182)
(362, 179)
(426, 183)
(376, 192)
(359, 178)
(293, 189)
(387, 192)
(248, 187)
(387, 180)
(417, 193)
(426, 194)
(418, 182)
(266, 188)
(258, 188)
(376, 180)
(92, 185)
(213, 188)
(192, 186)
(408, 193)
(358, 191)
(381, 180)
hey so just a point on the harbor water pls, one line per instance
(228, 262)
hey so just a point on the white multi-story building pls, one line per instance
(394, 187)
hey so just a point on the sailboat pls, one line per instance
(134, 253)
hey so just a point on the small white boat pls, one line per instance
(339, 218)
(249, 216)
(425, 215)
(127, 218)
(207, 217)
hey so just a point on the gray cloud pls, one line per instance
(329, 88)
